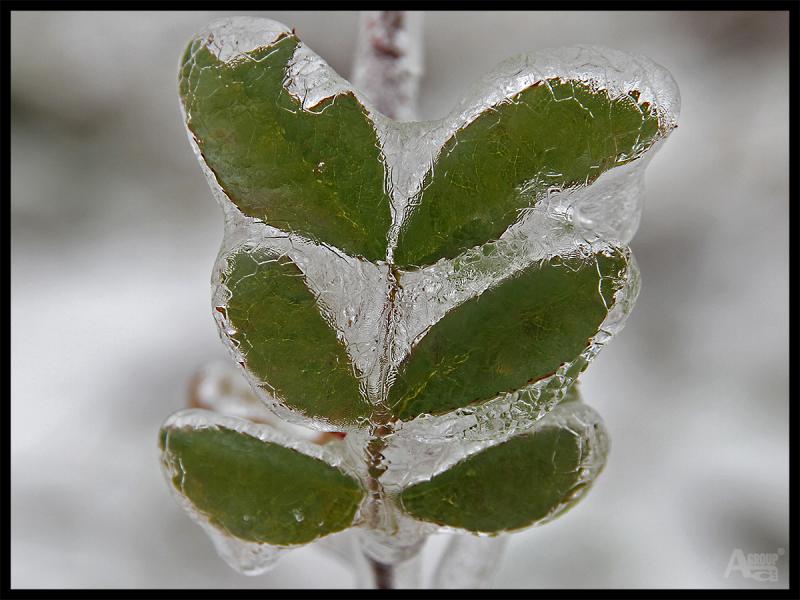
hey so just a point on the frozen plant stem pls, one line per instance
(383, 575)
(388, 61)
(387, 67)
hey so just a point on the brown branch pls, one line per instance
(383, 575)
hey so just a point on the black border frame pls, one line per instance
(790, 6)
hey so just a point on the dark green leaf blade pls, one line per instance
(285, 341)
(258, 491)
(516, 333)
(526, 480)
(553, 134)
(317, 172)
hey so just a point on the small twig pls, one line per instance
(387, 68)
(383, 574)
(388, 62)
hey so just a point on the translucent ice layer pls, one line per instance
(255, 490)
(432, 290)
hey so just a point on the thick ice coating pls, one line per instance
(438, 285)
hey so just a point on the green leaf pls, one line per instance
(318, 172)
(554, 134)
(528, 479)
(285, 341)
(516, 333)
(258, 491)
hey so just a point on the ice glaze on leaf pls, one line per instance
(532, 477)
(318, 172)
(553, 134)
(285, 341)
(258, 491)
(289, 144)
(518, 332)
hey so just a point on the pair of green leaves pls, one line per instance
(320, 171)
(516, 333)
(260, 491)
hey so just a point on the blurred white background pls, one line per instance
(114, 233)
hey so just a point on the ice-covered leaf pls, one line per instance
(314, 170)
(553, 134)
(514, 334)
(464, 271)
(526, 480)
(285, 342)
(256, 490)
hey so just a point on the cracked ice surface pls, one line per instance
(350, 294)
(231, 38)
(416, 462)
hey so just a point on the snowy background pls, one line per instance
(114, 232)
